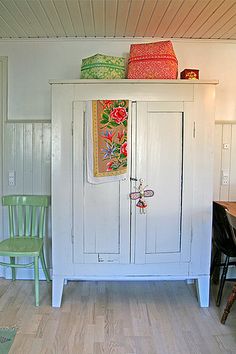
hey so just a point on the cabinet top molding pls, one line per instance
(130, 81)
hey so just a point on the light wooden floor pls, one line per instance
(116, 318)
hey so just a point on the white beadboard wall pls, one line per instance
(27, 153)
(224, 161)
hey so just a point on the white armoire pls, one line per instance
(98, 233)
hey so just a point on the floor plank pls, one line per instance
(116, 318)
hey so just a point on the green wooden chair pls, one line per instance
(26, 228)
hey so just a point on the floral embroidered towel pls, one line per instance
(107, 141)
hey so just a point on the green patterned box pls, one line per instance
(101, 66)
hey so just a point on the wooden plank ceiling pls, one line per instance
(204, 19)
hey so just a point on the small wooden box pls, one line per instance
(190, 74)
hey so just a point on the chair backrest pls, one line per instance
(232, 222)
(223, 236)
(26, 214)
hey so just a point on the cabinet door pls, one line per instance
(101, 223)
(163, 233)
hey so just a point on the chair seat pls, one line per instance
(227, 247)
(21, 246)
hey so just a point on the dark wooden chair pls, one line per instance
(232, 297)
(223, 242)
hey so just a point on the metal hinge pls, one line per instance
(72, 237)
(72, 127)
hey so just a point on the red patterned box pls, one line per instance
(152, 61)
(189, 74)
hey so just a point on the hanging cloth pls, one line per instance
(107, 129)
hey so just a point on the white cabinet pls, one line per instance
(98, 233)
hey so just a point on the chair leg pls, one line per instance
(42, 259)
(36, 279)
(222, 281)
(215, 270)
(13, 269)
(213, 263)
(229, 304)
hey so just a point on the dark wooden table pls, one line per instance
(231, 206)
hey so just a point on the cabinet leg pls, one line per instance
(203, 290)
(57, 289)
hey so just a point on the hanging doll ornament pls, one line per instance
(142, 192)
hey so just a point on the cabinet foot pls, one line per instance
(203, 290)
(57, 289)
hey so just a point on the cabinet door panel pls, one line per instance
(101, 218)
(164, 174)
(101, 211)
(160, 163)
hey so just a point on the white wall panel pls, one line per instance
(9, 157)
(37, 158)
(27, 151)
(28, 158)
(217, 161)
(232, 188)
(224, 161)
(3, 107)
(19, 156)
(46, 159)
